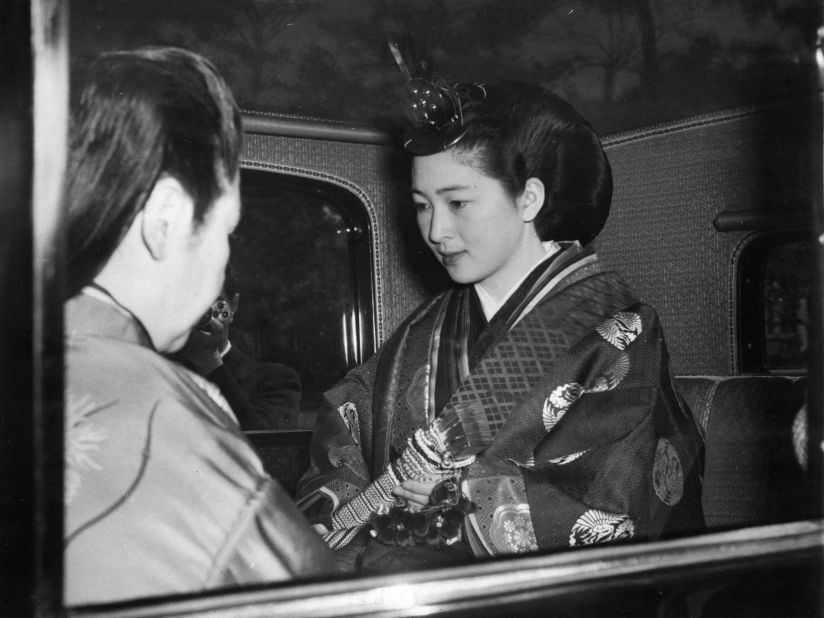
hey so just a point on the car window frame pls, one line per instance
(361, 326)
(750, 266)
(40, 441)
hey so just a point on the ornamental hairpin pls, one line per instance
(437, 110)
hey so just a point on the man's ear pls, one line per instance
(167, 214)
(531, 199)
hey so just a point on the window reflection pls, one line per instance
(786, 292)
(300, 258)
(775, 279)
(623, 64)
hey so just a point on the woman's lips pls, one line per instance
(450, 259)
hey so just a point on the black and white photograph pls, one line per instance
(318, 308)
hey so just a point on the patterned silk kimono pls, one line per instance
(163, 493)
(566, 406)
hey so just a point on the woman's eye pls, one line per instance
(421, 206)
(457, 204)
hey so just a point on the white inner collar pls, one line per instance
(491, 306)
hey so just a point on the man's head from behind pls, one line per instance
(153, 186)
(143, 115)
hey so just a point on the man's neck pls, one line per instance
(139, 300)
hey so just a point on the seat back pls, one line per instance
(751, 474)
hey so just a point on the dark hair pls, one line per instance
(521, 131)
(144, 113)
(230, 282)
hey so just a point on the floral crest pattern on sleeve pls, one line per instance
(596, 526)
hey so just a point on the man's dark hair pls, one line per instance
(144, 113)
(522, 131)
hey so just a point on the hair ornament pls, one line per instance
(437, 111)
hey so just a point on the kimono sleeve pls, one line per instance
(591, 496)
(600, 451)
(272, 537)
(340, 446)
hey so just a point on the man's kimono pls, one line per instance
(564, 399)
(163, 493)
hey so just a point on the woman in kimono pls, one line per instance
(529, 407)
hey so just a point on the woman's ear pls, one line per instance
(167, 214)
(531, 199)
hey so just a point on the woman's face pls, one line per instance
(478, 232)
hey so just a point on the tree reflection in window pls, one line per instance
(786, 290)
(300, 261)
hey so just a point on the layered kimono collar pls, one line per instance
(490, 305)
(95, 313)
(540, 281)
(464, 335)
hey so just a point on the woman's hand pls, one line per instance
(415, 491)
(320, 529)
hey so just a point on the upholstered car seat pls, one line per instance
(751, 473)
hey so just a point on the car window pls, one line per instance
(775, 286)
(301, 255)
(301, 264)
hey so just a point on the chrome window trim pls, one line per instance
(284, 125)
(500, 583)
(536, 578)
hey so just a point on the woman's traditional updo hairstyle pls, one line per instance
(519, 131)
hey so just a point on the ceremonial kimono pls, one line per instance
(163, 494)
(569, 423)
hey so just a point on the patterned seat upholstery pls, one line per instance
(751, 473)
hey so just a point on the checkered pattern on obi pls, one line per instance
(510, 370)
(516, 363)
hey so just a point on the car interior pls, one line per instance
(716, 221)
(681, 240)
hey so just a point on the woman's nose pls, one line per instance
(440, 226)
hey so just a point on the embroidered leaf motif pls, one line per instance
(558, 402)
(349, 413)
(621, 329)
(82, 438)
(596, 526)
